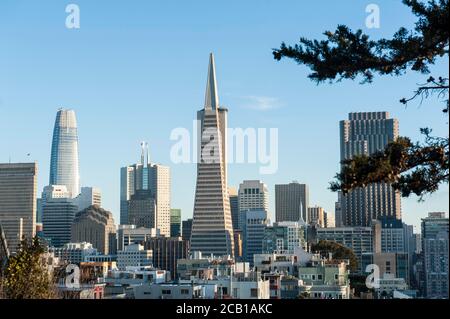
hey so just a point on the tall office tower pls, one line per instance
(338, 212)
(212, 229)
(96, 226)
(316, 215)
(254, 224)
(366, 133)
(253, 194)
(330, 221)
(175, 222)
(186, 229)
(89, 196)
(18, 189)
(435, 254)
(234, 207)
(146, 177)
(64, 166)
(166, 252)
(142, 209)
(58, 212)
(291, 202)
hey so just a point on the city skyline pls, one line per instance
(299, 108)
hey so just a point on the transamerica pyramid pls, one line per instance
(212, 230)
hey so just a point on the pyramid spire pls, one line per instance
(211, 97)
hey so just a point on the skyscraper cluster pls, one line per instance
(232, 237)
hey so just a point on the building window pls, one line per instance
(166, 292)
(254, 292)
(185, 291)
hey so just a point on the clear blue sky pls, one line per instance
(137, 69)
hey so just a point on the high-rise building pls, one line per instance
(234, 207)
(363, 134)
(253, 194)
(58, 214)
(254, 224)
(212, 229)
(18, 189)
(142, 209)
(316, 215)
(96, 226)
(166, 252)
(291, 202)
(89, 196)
(175, 222)
(151, 178)
(186, 229)
(435, 247)
(329, 221)
(338, 222)
(64, 166)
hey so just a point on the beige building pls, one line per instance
(316, 215)
(212, 229)
(96, 226)
(18, 189)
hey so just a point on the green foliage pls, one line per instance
(412, 168)
(26, 276)
(338, 251)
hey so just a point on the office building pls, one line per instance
(291, 202)
(88, 196)
(254, 224)
(18, 189)
(435, 247)
(364, 134)
(316, 215)
(234, 207)
(142, 209)
(186, 229)
(253, 195)
(212, 229)
(175, 222)
(150, 179)
(64, 165)
(96, 226)
(73, 253)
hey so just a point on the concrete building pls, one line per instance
(186, 229)
(18, 189)
(64, 164)
(316, 215)
(212, 228)
(283, 237)
(392, 265)
(253, 224)
(338, 219)
(175, 222)
(96, 226)
(134, 256)
(130, 234)
(74, 253)
(253, 195)
(166, 252)
(435, 248)
(150, 181)
(291, 202)
(366, 133)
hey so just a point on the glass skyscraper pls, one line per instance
(64, 166)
